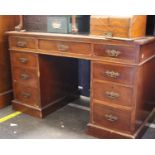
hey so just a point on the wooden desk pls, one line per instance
(122, 78)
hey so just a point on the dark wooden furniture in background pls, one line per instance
(6, 23)
(39, 23)
(44, 72)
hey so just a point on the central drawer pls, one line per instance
(64, 46)
(109, 117)
(114, 72)
(112, 93)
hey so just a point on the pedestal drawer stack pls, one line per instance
(39, 86)
(116, 90)
(26, 78)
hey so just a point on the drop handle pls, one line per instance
(62, 47)
(24, 76)
(107, 34)
(22, 44)
(111, 117)
(26, 95)
(112, 52)
(112, 74)
(23, 60)
(112, 95)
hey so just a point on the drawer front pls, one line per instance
(66, 47)
(117, 27)
(125, 53)
(115, 73)
(106, 30)
(23, 59)
(112, 93)
(26, 76)
(22, 42)
(27, 95)
(111, 118)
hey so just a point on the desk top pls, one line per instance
(82, 37)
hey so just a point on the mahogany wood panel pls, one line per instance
(22, 42)
(63, 46)
(97, 131)
(113, 72)
(28, 109)
(145, 91)
(128, 53)
(24, 75)
(58, 78)
(112, 93)
(26, 94)
(23, 59)
(150, 51)
(111, 118)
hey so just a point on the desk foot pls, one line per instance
(104, 133)
(44, 111)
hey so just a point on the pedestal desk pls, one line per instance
(45, 77)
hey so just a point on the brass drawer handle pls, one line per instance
(112, 95)
(22, 44)
(107, 34)
(112, 74)
(23, 60)
(112, 53)
(26, 95)
(111, 117)
(24, 76)
(62, 47)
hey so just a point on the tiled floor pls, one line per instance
(68, 122)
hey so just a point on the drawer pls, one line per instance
(111, 118)
(115, 73)
(26, 76)
(64, 46)
(23, 59)
(26, 95)
(111, 30)
(111, 93)
(22, 42)
(127, 53)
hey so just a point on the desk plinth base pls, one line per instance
(5, 98)
(44, 111)
(105, 133)
(102, 132)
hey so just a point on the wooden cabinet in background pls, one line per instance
(118, 26)
(6, 23)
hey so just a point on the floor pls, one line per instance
(68, 122)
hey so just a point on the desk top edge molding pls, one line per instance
(88, 38)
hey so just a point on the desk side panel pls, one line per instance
(58, 78)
